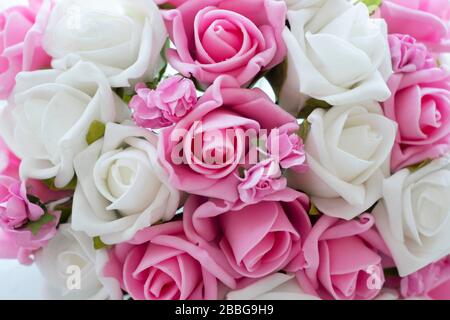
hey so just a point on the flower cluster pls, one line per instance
(227, 149)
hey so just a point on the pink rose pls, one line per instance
(204, 151)
(261, 180)
(420, 104)
(21, 31)
(285, 145)
(257, 239)
(161, 264)
(425, 20)
(432, 282)
(15, 208)
(217, 37)
(342, 259)
(169, 103)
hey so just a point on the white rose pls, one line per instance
(124, 38)
(70, 257)
(336, 53)
(121, 186)
(47, 121)
(414, 216)
(277, 286)
(348, 151)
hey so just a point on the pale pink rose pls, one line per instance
(431, 282)
(425, 20)
(258, 239)
(342, 259)
(167, 104)
(262, 179)
(285, 145)
(160, 263)
(420, 104)
(21, 31)
(217, 37)
(204, 151)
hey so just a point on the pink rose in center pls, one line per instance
(21, 31)
(342, 259)
(256, 239)
(420, 104)
(217, 37)
(425, 20)
(204, 151)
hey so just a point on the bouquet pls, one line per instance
(227, 149)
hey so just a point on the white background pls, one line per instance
(16, 281)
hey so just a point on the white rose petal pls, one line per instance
(121, 186)
(47, 121)
(66, 254)
(277, 286)
(414, 216)
(347, 150)
(336, 53)
(124, 38)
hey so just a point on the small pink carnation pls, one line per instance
(15, 208)
(168, 104)
(432, 282)
(408, 55)
(285, 145)
(16, 211)
(261, 180)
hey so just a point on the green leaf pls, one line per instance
(96, 132)
(36, 226)
(311, 105)
(66, 211)
(50, 183)
(304, 129)
(166, 6)
(419, 166)
(34, 200)
(127, 98)
(99, 244)
(313, 211)
(391, 272)
(277, 77)
(241, 172)
(372, 5)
